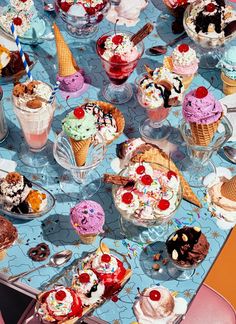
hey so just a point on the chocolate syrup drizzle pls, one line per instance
(103, 119)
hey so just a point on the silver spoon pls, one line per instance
(56, 260)
(230, 152)
(162, 49)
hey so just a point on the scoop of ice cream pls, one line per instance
(201, 107)
(8, 233)
(154, 304)
(77, 10)
(228, 63)
(87, 217)
(152, 95)
(4, 57)
(71, 83)
(184, 60)
(187, 246)
(79, 125)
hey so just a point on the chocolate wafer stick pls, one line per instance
(118, 180)
(142, 33)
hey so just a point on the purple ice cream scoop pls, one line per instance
(71, 83)
(87, 217)
(205, 110)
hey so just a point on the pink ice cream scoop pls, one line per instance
(71, 83)
(201, 107)
(184, 59)
(87, 217)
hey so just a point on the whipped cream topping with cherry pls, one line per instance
(184, 55)
(105, 263)
(155, 194)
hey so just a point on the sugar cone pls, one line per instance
(66, 61)
(228, 189)
(203, 133)
(187, 80)
(229, 85)
(80, 149)
(88, 239)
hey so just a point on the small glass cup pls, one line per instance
(79, 182)
(118, 91)
(35, 125)
(145, 230)
(210, 47)
(198, 165)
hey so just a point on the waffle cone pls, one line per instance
(203, 133)
(156, 155)
(228, 189)
(229, 85)
(117, 115)
(187, 80)
(88, 238)
(66, 62)
(80, 149)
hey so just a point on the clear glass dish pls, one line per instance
(66, 276)
(50, 204)
(84, 26)
(47, 35)
(16, 77)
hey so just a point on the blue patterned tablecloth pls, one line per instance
(54, 228)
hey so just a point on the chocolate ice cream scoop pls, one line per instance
(187, 246)
(8, 233)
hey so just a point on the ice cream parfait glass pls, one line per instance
(216, 27)
(82, 20)
(186, 248)
(149, 204)
(197, 165)
(79, 182)
(35, 118)
(119, 57)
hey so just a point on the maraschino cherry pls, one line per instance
(154, 295)
(183, 48)
(23, 1)
(65, 6)
(147, 180)
(163, 204)
(117, 39)
(171, 174)
(127, 198)
(210, 7)
(79, 112)
(201, 92)
(140, 169)
(106, 258)
(60, 295)
(84, 277)
(17, 21)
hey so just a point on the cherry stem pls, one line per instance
(116, 26)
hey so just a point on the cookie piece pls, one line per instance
(19, 90)
(34, 104)
(39, 253)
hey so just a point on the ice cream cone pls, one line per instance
(229, 85)
(2, 254)
(203, 133)
(168, 63)
(88, 239)
(80, 149)
(66, 62)
(228, 189)
(187, 80)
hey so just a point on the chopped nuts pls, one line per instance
(174, 255)
(156, 266)
(13, 177)
(197, 229)
(165, 261)
(184, 238)
(156, 257)
(175, 237)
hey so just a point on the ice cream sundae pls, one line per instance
(183, 62)
(187, 247)
(210, 23)
(8, 235)
(80, 127)
(25, 18)
(110, 121)
(227, 64)
(126, 12)
(156, 305)
(89, 288)
(17, 195)
(34, 112)
(59, 305)
(151, 196)
(221, 197)
(203, 112)
(69, 74)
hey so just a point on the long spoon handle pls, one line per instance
(177, 39)
(23, 274)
